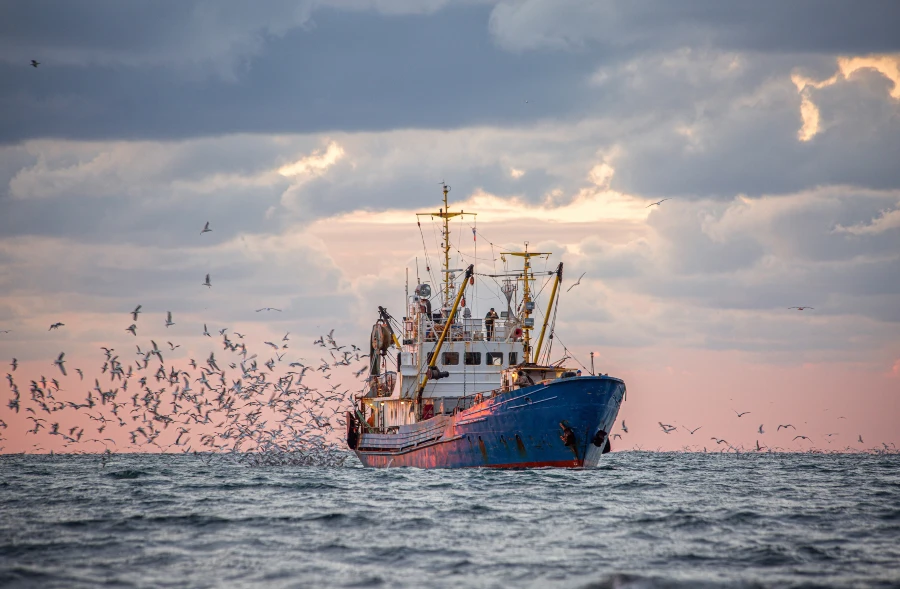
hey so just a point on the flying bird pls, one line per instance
(740, 414)
(860, 439)
(801, 308)
(5, 330)
(61, 363)
(132, 328)
(169, 319)
(56, 326)
(206, 228)
(268, 309)
(761, 429)
(785, 427)
(134, 314)
(624, 427)
(802, 437)
(206, 331)
(657, 203)
(577, 282)
(80, 373)
(15, 364)
(206, 283)
(173, 346)
(35, 63)
(718, 441)
(692, 430)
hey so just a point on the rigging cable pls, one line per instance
(425, 248)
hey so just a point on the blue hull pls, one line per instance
(554, 424)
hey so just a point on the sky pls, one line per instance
(309, 133)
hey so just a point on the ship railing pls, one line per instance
(465, 330)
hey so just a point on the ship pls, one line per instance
(449, 390)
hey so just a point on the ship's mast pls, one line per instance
(527, 303)
(446, 215)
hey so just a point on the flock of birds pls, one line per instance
(252, 406)
(240, 405)
(723, 445)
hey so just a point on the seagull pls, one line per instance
(802, 437)
(692, 430)
(134, 313)
(173, 346)
(801, 308)
(860, 435)
(740, 414)
(61, 363)
(206, 228)
(624, 427)
(657, 203)
(718, 441)
(206, 331)
(268, 309)
(577, 282)
(666, 427)
(15, 364)
(5, 330)
(758, 447)
(207, 283)
(132, 328)
(285, 338)
(56, 326)
(169, 319)
(35, 63)
(80, 373)
(761, 429)
(785, 427)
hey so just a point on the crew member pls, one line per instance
(524, 380)
(489, 323)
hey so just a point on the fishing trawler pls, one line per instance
(446, 390)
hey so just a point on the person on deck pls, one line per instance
(489, 323)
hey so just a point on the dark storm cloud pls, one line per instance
(343, 70)
(799, 26)
(182, 69)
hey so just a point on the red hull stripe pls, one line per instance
(548, 463)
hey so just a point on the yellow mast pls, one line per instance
(527, 303)
(444, 332)
(446, 215)
(556, 281)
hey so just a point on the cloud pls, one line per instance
(886, 65)
(885, 221)
(314, 164)
(767, 26)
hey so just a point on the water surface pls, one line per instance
(642, 520)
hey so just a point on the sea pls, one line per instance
(641, 520)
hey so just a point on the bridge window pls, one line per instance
(513, 358)
(450, 359)
(473, 358)
(495, 358)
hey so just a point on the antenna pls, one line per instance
(445, 214)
